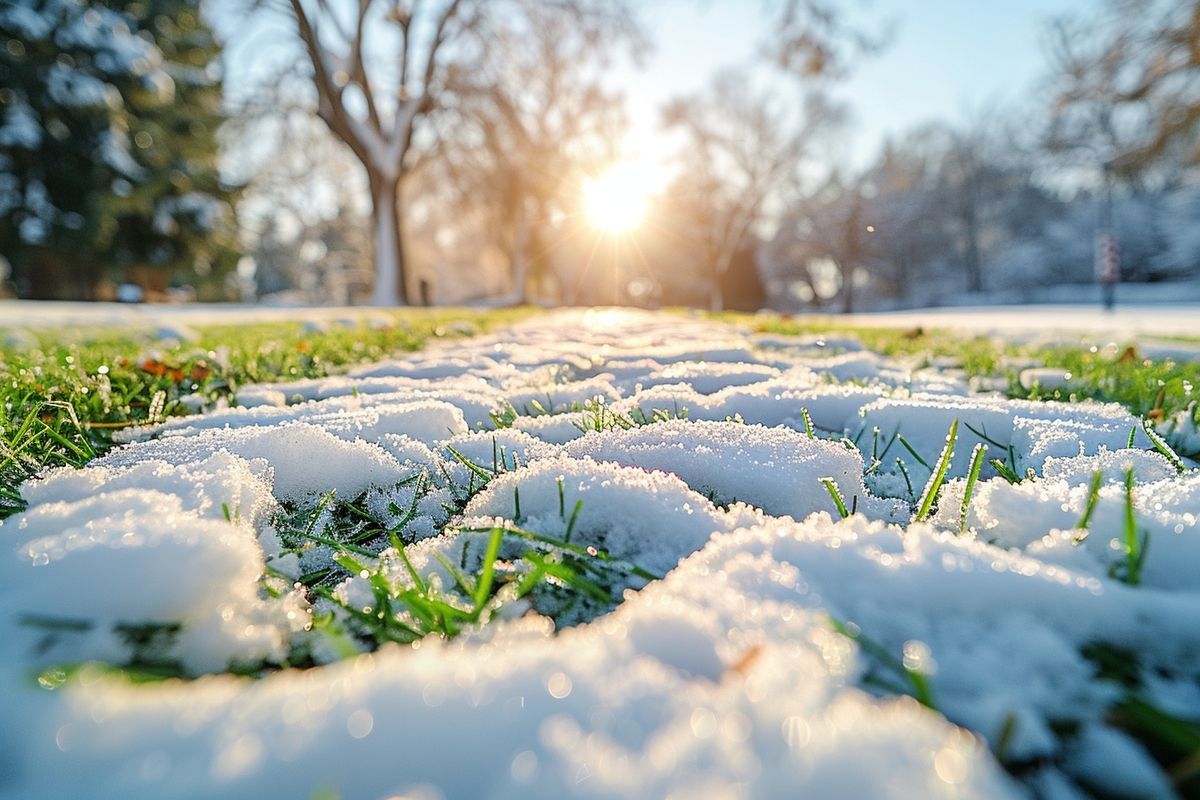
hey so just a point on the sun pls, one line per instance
(616, 201)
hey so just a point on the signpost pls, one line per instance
(1108, 265)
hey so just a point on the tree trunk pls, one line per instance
(848, 289)
(716, 299)
(973, 261)
(519, 257)
(390, 286)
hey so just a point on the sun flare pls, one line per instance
(616, 200)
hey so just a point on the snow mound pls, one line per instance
(683, 689)
(195, 567)
(776, 469)
(305, 459)
(706, 378)
(650, 518)
(1042, 516)
(1035, 430)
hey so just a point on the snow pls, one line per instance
(650, 518)
(204, 210)
(1128, 321)
(69, 87)
(1118, 765)
(722, 678)
(304, 459)
(776, 469)
(1035, 430)
(1040, 517)
(1161, 313)
(25, 20)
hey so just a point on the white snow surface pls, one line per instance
(723, 679)
(1127, 321)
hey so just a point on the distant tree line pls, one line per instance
(1011, 203)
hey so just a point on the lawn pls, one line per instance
(599, 554)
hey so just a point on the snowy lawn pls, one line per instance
(600, 554)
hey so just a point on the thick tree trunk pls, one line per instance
(390, 286)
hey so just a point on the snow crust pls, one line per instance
(723, 678)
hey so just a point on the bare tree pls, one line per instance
(1126, 86)
(385, 70)
(531, 114)
(830, 227)
(941, 210)
(377, 68)
(744, 155)
(302, 194)
(815, 38)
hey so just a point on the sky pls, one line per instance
(946, 60)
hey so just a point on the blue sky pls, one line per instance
(947, 58)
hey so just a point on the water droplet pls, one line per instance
(525, 767)
(950, 765)
(559, 685)
(360, 724)
(704, 723)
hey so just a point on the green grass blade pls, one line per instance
(907, 480)
(934, 486)
(1160, 444)
(808, 423)
(571, 522)
(983, 435)
(915, 454)
(474, 468)
(977, 455)
(836, 494)
(1093, 496)
(483, 586)
(1004, 471)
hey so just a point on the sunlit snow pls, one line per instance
(722, 679)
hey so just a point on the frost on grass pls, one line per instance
(601, 554)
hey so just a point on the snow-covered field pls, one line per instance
(1127, 320)
(726, 678)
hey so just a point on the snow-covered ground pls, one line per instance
(1128, 320)
(1124, 321)
(20, 314)
(725, 678)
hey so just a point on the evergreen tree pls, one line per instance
(106, 146)
(175, 223)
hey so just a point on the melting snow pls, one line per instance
(725, 678)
